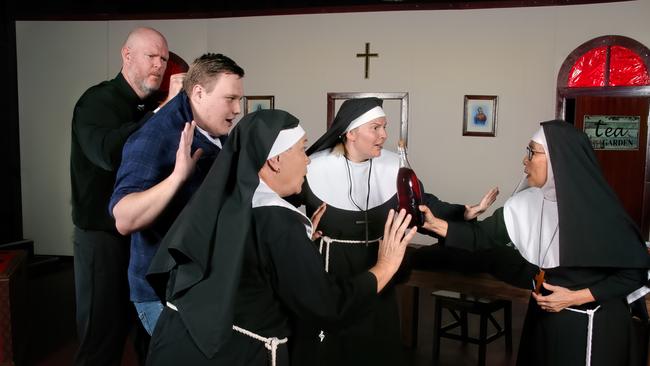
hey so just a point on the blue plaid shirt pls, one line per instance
(148, 158)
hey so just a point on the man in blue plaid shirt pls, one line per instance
(165, 161)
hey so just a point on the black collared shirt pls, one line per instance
(104, 117)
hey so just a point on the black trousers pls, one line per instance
(104, 312)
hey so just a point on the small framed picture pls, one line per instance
(254, 103)
(480, 115)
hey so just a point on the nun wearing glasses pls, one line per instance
(587, 254)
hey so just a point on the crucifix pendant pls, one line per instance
(365, 220)
(539, 279)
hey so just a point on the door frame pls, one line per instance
(564, 93)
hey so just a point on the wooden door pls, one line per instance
(625, 170)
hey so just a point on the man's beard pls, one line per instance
(147, 89)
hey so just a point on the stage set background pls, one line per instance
(435, 56)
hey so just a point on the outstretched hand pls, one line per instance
(315, 220)
(393, 245)
(185, 161)
(472, 212)
(433, 223)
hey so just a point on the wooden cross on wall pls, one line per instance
(367, 55)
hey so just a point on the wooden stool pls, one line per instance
(459, 305)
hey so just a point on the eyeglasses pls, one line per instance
(530, 152)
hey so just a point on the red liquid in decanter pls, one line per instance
(409, 191)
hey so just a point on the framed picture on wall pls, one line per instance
(254, 103)
(480, 115)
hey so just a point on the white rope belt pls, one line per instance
(590, 328)
(326, 241)
(271, 343)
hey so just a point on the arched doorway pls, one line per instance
(603, 88)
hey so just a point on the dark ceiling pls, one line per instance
(140, 9)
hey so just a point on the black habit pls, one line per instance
(239, 256)
(600, 249)
(354, 228)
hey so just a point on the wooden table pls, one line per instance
(475, 284)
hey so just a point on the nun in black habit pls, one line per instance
(568, 224)
(356, 177)
(239, 258)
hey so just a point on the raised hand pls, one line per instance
(315, 220)
(392, 247)
(185, 161)
(394, 242)
(472, 212)
(175, 86)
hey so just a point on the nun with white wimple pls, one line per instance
(238, 261)
(355, 176)
(587, 254)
